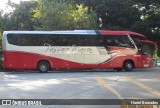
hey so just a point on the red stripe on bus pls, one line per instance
(25, 60)
(110, 32)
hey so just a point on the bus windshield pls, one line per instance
(118, 41)
(146, 48)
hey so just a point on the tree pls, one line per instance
(1, 27)
(150, 19)
(61, 15)
(21, 18)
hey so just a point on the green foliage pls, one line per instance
(141, 16)
(55, 15)
(1, 27)
(0, 49)
(21, 17)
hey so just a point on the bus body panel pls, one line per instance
(143, 61)
(24, 60)
(31, 61)
(27, 57)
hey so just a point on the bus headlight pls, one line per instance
(146, 65)
(2, 58)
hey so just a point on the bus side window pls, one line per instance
(107, 41)
(139, 46)
(12, 39)
(110, 41)
(100, 41)
(88, 40)
(81, 40)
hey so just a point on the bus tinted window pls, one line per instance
(120, 41)
(54, 40)
(31, 40)
(135, 38)
(90, 41)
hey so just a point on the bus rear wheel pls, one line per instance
(128, 65)
(43, 66)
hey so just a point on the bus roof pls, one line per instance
(91, 32)
(85, 32)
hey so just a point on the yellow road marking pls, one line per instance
(106, 85)
(142, 85)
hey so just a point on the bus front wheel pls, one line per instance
(128, 65)
(43, 66)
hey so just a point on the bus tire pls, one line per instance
(43, 66)
(128, 65)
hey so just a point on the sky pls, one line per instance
(4, 2)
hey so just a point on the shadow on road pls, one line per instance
(75, 71)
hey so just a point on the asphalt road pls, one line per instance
(97, 84)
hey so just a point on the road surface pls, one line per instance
(93, 84)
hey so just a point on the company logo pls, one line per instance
(6, 102)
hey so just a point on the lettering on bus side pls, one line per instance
(73, 48)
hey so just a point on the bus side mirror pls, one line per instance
(145, 53)
(139, 49)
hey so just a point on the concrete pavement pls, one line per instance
(106, 84)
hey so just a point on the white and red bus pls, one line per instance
(45, 50)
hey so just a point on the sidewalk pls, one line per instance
(157, 67)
